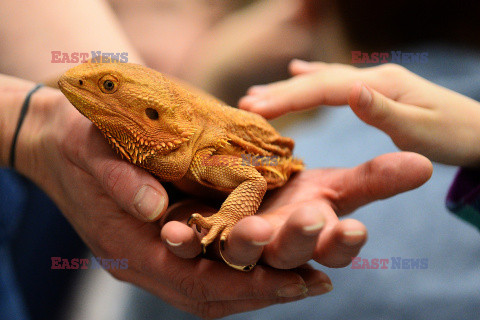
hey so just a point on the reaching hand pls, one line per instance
(418, 115)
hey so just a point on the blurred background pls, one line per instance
(225, 47)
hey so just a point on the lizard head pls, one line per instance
(139, 110)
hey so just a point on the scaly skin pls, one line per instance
(182, 134)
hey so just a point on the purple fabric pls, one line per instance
(463, 198)
(465, 189)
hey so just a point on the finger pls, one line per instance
(210, 280)
(204, 308)
(339, 244)
(296, 241)
(273, 100)
(380, 178)
(317, 281)
(297, 67)
(325, 84)
(330, 84)
(402, 122)
(245, 243)
(134, 189)
(181, 240)
(220, 309)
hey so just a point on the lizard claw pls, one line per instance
(198, 221)
(217, 224)
(201, 222)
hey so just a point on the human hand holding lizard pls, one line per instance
(98, 193)
(301, 222)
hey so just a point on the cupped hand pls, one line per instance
(299, 222)
(113, 205)
(418, 115)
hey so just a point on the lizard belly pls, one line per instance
(197, 189)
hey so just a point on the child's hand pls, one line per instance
(417, 114)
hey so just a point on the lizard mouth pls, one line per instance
(102, 115)
(85, 100)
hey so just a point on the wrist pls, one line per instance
(13, 92)
(29, 151)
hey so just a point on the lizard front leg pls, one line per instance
(225, 172)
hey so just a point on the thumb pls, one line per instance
(394, 118)
(380, 178)
(132, 188)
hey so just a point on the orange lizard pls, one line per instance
(179, 133)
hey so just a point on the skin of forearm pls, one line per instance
(31, 30)
(12, 94)
(48, 115)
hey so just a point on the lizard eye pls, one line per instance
(151, 113)
(108, 84)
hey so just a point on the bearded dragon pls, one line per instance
(181, 134)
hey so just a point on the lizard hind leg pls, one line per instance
(227, 173)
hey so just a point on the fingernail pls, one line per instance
(319, 288)
(301, 63)
(249, 100)
(353, 237)
(365, 98)
(246, 102)
(173, 244)
(260, 104)
(262, 243)
(292, 290)
(149, 202)
(257, 89)
(314, 227)
(253, 102)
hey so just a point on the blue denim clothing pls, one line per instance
(31, 231)
(12, 200)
